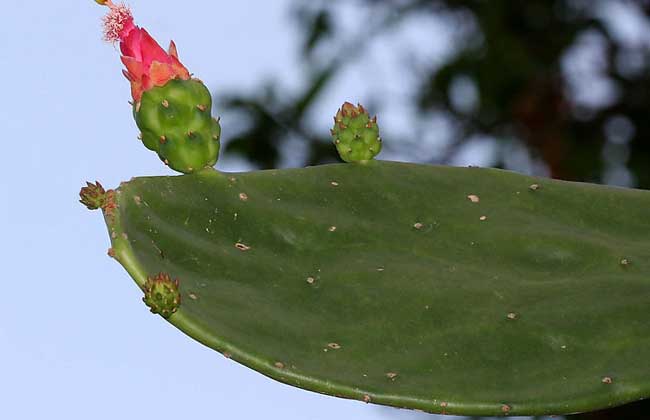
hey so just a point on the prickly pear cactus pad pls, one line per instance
(450, 290)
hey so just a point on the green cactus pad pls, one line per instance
(457, 290)
(355, 134)
(175, 121)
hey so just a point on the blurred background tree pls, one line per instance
(547, 87)
(557, 88)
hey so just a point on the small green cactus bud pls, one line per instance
(162, 294)
(355, 134)
(176, 122)
(93, 196)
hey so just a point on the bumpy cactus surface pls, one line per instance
(162, 294)
(355, 134)
(176, 122)
(450, 290)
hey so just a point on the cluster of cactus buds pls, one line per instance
(162, 294)
(93, 196)
(355, 134)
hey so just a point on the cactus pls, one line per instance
(175, 121)
(450, 290)
(355, 134)
(172, 111)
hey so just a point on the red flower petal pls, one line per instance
(172, 49)
(179, 69)
(160, 73)
(128, 76)
(130, 45)
(147, 64)
(133, 66)
(137, 89)
(151, 51)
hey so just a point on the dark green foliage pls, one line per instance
(274, 117)
(176, 122)
(458, 290)
(355, 134)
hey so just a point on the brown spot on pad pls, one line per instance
(242, 247)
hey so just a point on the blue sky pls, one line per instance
(76, 342)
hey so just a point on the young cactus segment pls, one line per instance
(162, 295)
(355, 134)
(172, 110)
(93, 196)
(176, 122)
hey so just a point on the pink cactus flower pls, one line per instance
(147, 64)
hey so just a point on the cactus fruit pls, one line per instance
(172, 110)
(162, 295)
(176, 122)
(93, 196)
(355, 134)
(455, 290)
